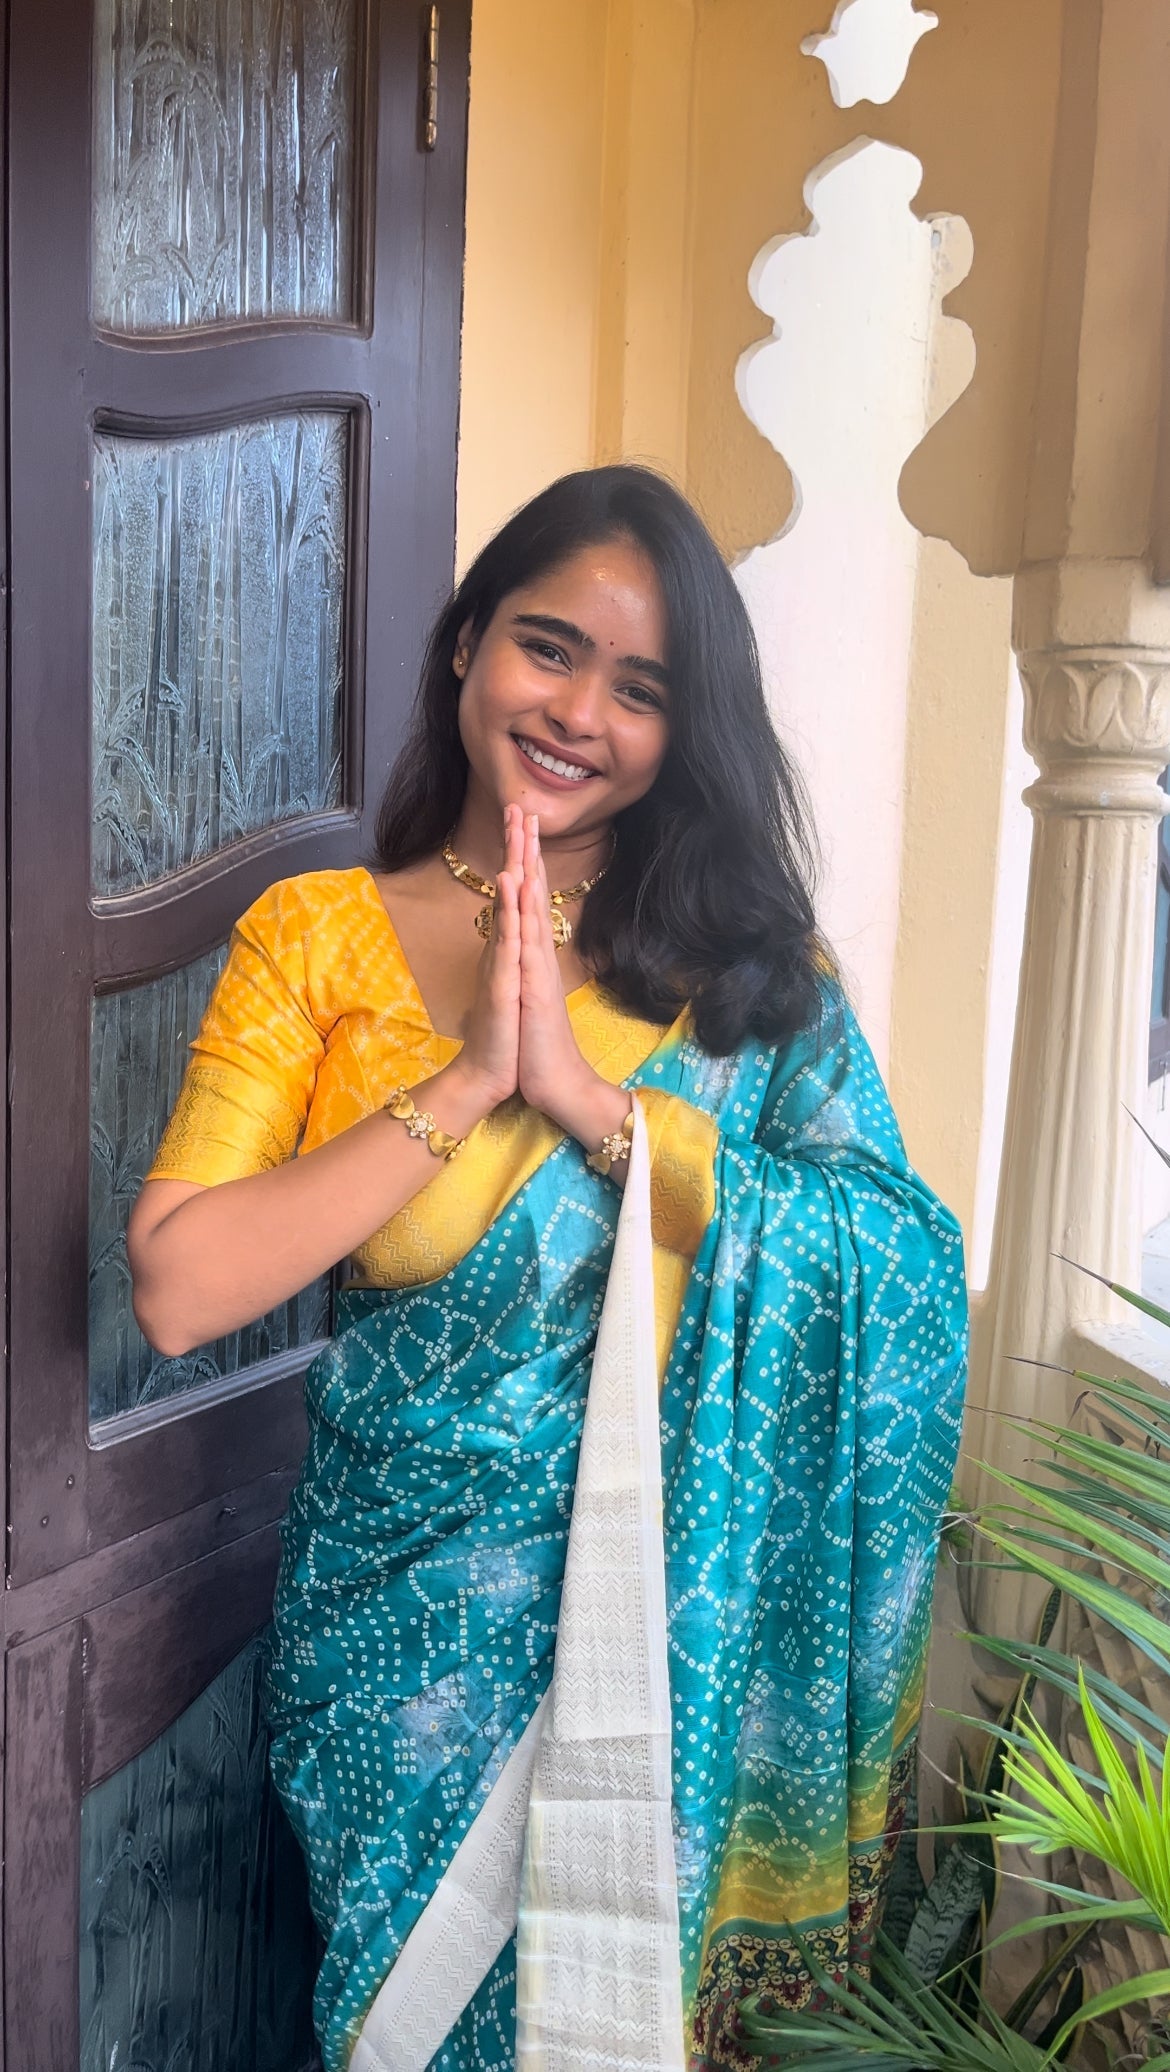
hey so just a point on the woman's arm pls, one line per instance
(207, 1260)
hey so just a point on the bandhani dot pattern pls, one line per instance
(810, 1423)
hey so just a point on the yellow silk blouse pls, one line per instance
(315, 1020)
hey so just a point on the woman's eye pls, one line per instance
(642, 695)
(543, 650)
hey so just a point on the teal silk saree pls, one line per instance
(808, 1421)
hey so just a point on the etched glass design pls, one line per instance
(138, 1053)
(224, 162)
(198, 1950)
(218, 578)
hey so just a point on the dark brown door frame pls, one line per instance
(66, 1685)
(71, 1496)
(160, 1544)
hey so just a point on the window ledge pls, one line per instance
(1123, 1349)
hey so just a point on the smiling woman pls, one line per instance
(628, 645)
(597, 700)
(602, 1613)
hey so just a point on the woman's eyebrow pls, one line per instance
(564, 629)
(645, 667)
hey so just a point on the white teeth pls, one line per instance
(552, 762)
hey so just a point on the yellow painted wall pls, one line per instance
(978, 108)
(532, 282)
(628, 159)
(576, 342)
(647, 205)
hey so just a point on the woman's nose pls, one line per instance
(575, 705)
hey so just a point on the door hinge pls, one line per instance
(431, 80)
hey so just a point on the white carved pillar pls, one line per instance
(1094, 651)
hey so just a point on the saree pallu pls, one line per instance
(810, 1413)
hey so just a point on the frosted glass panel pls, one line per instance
(197, 1947)
(138, 1055)
(223, 162)
(219, 570)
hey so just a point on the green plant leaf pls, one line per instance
(1144, 1628)
(1127, 1474)
(1047, 1805)
(1062, 2024)
(953, 1900)
(1108, 1528)
(1130, 1295)
(1117, 1705)
(1150, 1985)
(1091, 1913)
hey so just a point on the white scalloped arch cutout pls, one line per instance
(867, 48)
(844, 389)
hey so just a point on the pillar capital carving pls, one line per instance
(1097, 721)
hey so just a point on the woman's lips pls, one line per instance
(540, 772)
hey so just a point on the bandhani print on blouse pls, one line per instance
(810, 1412)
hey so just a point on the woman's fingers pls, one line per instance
(506, 919)
(534, 920)
(492, 1043)
(531, 844)
(507, 903)
(527, 910)
(538, 869)
(535, 890)
(514, 841)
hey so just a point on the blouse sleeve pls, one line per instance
(245, 1097)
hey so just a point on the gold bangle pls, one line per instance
(421, 1124)
(614, 1149)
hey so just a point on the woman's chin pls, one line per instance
(560, 812)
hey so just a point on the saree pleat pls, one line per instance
(809, 1421)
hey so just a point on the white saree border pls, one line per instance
(574, 1845)
(598, 1976)
(461, 1930)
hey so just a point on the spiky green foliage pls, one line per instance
(1092, 1519)
(1046, 1806)
(895, 2024)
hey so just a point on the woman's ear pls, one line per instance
(461, 660)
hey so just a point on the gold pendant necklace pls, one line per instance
(562, 927)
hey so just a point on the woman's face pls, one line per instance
(565, 703)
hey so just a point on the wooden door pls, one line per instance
(234, 273)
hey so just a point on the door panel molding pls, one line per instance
(170, 1638)
(151, 1556)
(71, 1730)
(43, 1687)
(145, 934)
(95, 1496)
(70, 1498)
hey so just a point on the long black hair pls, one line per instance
(708, 900)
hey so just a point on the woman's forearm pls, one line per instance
(590, 1108)
(222, 1256)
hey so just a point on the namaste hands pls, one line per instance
(519, 1034)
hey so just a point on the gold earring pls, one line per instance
(460, 663)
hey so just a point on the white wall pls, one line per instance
(841, 390)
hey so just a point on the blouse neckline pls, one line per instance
(577, 999)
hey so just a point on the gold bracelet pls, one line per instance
(420, 1124)
(614, 1149)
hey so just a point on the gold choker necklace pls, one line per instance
(562, 927)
